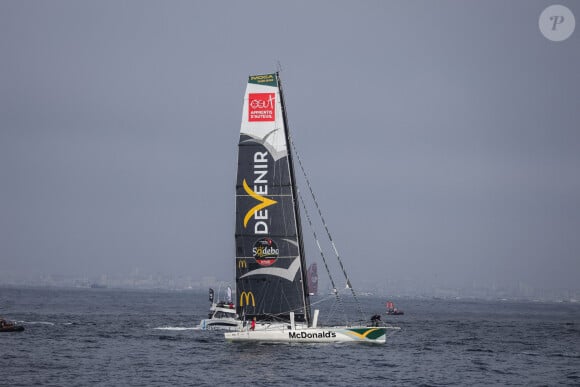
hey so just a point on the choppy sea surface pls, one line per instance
(107, 337)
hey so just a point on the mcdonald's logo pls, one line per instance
(242, 264)
(246, 296)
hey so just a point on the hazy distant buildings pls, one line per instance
(390, 288)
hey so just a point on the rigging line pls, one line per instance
(348, 284)
(321, 252)
(322, 300)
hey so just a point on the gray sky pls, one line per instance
(441, 138)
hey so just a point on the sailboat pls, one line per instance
(313, 279)
(271, 269)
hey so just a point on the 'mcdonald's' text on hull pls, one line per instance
(311, 335)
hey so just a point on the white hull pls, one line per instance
(310, 335)
(222, 317)
(220, 324)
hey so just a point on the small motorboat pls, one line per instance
(7, 326)
(392, 311)
(222, 315)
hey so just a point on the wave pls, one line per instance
(571, 355)
(530, 353)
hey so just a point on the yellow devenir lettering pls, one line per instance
(264, 202)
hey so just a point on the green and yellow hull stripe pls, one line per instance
(367, 333)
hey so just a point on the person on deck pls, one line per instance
(253, 325)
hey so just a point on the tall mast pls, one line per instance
(303, 270)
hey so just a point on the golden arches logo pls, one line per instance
(242, 264)
(246, 296)
(264, 202)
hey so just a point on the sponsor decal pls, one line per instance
(265, 79)
(247, 296)
(242, 264)
(265, 251)
(367, 333)
(312, 335)
(259, 211)
(261, 107)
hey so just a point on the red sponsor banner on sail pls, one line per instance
(262, 107)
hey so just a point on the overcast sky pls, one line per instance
(442, 138)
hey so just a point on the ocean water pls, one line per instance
(107, 337)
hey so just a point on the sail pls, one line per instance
(313, 279)
(270, 262)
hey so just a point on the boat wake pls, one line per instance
(35, 322)
(177, 328)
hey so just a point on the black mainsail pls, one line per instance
(270, 262)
